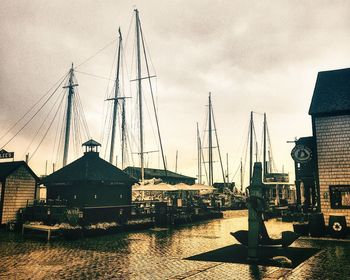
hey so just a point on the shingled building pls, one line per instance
(330, 112)
(100, 189)
(17, 188)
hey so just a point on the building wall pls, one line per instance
(333, 152)
(92, 194)
(19, 189)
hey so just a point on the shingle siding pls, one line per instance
(333, 151)
(19, 190)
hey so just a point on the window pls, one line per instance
(121, 196)
(340, 196)
(95, 196)
(75, 196)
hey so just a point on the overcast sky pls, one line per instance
(252, 55)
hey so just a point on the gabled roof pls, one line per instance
(89, 167)
(6, 168)
(331, 93)
(154, 173)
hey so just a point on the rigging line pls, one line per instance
(76, 128)
(217, 144)
(91, 57)
(270, 147)
(154, 105)
(55, 140)
(93, 75)
(63, 78)
(42, 139)
(47, 100)
(62, 135)
(83, 117)
(40, 127)
(106, 105)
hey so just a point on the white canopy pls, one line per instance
(154, 187)
(168, 187)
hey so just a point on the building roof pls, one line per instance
(154, 173)
(7, 168)
(89, 167)
(91, 143)
(331, 93)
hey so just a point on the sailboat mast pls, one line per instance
(210, 150)
(70, 87)
(264, 151)
(218, 146)
(199, 156)
(138, 40)
(251, 148)
(123, 133)
(177, 153)
(241, 176)
(115, 103)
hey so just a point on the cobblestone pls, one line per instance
(159, 254)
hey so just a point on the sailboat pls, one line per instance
(209, 170)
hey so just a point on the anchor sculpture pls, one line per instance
(257, 234)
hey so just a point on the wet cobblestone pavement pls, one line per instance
(159, 254)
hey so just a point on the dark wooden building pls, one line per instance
(17, 188)
(170, 177)
(92, 184)
(330, 112)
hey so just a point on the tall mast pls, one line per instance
(177, 152)
(251, 148)
(138, 40)
(123, 133)
(70, 87)
(218, 146)
(199, 156)
(227, 175)
(264, 151)
(115, 102)
(241, 176)
(210, 150)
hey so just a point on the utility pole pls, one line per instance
(70, 87)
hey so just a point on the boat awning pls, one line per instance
(154, 187)
(195, 187)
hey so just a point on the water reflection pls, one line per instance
(149, 254)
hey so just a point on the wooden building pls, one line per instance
(330, 112)
(101, 190)
(17, 188)
(170, 177)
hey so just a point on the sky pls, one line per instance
(260, 56)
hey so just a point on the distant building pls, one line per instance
(17, 188)
(101, 190)
(170, 177)
(330, 112)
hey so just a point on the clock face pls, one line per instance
(301, 154)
